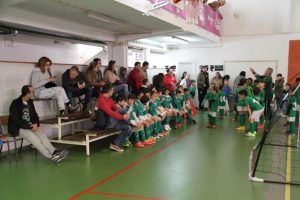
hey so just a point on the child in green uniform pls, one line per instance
(212, 97)
(192, 91)
(167, 104)
(146, 113)
(254, 109)
(147, 122)
(187, 106)
(221, 101)
(135, 122)
(291, 113)
(153, 107)
(178, 106)
(241, 106)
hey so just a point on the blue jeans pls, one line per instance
(120, 125)
(87, 92)
(122, 87)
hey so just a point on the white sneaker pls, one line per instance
(169, 127)
(249, 134)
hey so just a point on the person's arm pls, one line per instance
(35, 118)
(137, 79)
(37, 79)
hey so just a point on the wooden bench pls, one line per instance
(82, 137)
(4, 121)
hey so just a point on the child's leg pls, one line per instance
(243, 118)
(221, 113)
(214, 121)
(292, 127)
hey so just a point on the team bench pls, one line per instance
(80, 137)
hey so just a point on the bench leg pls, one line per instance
(73, 129)
(87, 139)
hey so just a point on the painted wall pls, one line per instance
(272, 47)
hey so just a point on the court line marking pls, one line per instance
(287, 193)
(88, 190)
(129, 196)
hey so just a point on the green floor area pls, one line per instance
(192, 163)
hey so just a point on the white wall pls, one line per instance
(256, 48)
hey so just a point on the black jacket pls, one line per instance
(15, 121)
(71, 85)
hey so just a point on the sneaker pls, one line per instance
(169, 127)
(116, 148)
(241, 128)
(72, 108)
(249, 134)
(127, 144)
(260, 126)
(139, 145)
(59, 155)
(147, 142)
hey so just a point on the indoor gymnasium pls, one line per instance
(149, 99)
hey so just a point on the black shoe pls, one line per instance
(72, 108)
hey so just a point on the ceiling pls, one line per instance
(126, 20)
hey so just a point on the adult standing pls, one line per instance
(144, 69)
(236, 83)
(170, 79)
(185, 82)
(24, 121)
(135, 79)
(110, 75)
(267, 79)
(203, 84)
(118, 118)
(44, 85)
(75, 85)
(217, 80)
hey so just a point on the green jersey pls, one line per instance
(192, 91)
(167, 101)
(262, 95)
(153, 107)
(132, 112)
(139, 107)
(291, 106)
(268, 83)
(254, 104)
(298, 96)
(177, 103)
(222, 98)
(213, 102)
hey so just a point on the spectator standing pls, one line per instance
(185, 82)
(170, 80)
(217, 80)
(144, 69)
(203, 84)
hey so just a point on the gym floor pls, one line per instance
(192, 163)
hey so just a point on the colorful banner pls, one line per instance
(201, 14)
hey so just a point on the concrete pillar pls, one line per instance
(118, 51)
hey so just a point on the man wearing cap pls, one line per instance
(203, 84)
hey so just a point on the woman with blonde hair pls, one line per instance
(44, 85)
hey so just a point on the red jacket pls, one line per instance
(168, 80)
(135, 79)
(109, 107)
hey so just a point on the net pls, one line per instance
(276, 157)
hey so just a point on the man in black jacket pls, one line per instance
(203, 84)
(75, 85)
(24, 121)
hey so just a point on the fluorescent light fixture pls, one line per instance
(180, 39)
(104, 18)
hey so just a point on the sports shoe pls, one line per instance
(127, 144)
(249, 134)
(169, 127)
(59, 155)
(241, 128)
(72, 108)
(116, 148)
(139, 145)
(260, 126)
(147, 142)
